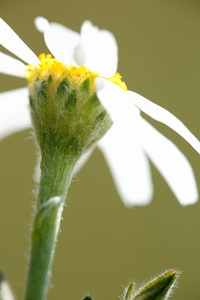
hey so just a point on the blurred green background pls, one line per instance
(103, 245)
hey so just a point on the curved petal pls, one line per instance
(11, 66)
(101, 49)
(14, 112)
(170, 162)
(128, 165)
(115, 101)
(60, 40)
(12, 42)
(162, 115)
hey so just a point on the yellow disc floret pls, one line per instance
(117, 80)
(76, 75)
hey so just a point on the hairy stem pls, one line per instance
(56, 172)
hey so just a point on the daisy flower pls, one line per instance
(131, 141)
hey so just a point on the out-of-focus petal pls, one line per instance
(128, 164)
(170, 162)
(12, 42)
(117, 102)
(120, 145)
(60, 40)
(162, 115)
(11, 66)
(79, 55)
(14, 112)
(101, 49)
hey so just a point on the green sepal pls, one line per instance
(93, 102)
(129, 291)
(159, 288)
(42, 91)
(63, 88)
(85, 86)
(71, 101)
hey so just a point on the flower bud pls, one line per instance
(159, 288)
(65, 109)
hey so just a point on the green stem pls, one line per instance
(56, 172)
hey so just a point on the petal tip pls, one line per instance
(189, 200)
(100, 83)
(41, 24)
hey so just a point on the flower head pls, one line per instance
(92, 57)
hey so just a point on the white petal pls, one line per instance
(117, 102)
(41, 24)
(6, 292)
(128, 165)
(14, 112)
(60, 40)
(11, 66)
(12, 42)
(101, 49)
(171, 163)
(79, 55)
(162, 115)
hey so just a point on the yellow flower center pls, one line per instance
(76, 75)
